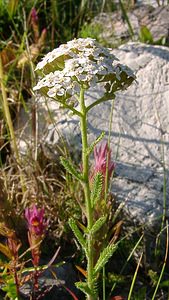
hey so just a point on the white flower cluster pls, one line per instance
(80, 62)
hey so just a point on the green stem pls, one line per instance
(124, 13)
(103, 99)
(16, 279)
(7, 112)
(86, 188)
(9, 123)
(104, 283)
(74, 111)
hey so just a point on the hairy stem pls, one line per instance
(86, 188)
(16, 281)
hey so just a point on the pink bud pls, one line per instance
(44, 31)
(101, 155)
(34, 15)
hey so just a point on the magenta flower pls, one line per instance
(36, 221)
(34, 15)
(35, 24)
(37, 227)
(101, 155)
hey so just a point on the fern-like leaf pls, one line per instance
(91, 148)
(70, 168)
(77, 233)
(84, 288)
(104, 257)
(96, 188)
(98, 224)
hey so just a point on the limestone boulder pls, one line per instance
(149, 24)
(140, 133)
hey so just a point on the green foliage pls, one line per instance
(84, 288)
(164, 283)
(2, 6)
(69, 16)
(104, 257)
(140, 295)
(91, 147)
(63, 19)
(154, 277)
(77, 234)
(70, 168)
(96, 188)
(12, 6)
(10, 289)
(145, 35)
(125, 15)
(115, 278)
(91, 30)
(98, 224)
(5, 250)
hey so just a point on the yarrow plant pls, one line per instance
(66, 74)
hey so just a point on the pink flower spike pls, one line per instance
(36, 221)
(34, 15)
(101, 154)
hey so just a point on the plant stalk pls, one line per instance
(7, 112)
(86, 188)
(9, 123)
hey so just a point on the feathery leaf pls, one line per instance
(84, 288)
(104, 257)
(98, 224)
(96, 188)
(70, 168)
(77, 233)
(91, 147)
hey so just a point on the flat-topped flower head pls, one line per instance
(81, 63)
(76, 48)
(36, 221)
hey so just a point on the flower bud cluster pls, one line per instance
(102, 162)
(80, 63)
(102, 157)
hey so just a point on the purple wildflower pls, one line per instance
(36, 221)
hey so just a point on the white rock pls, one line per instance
(140, 132)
